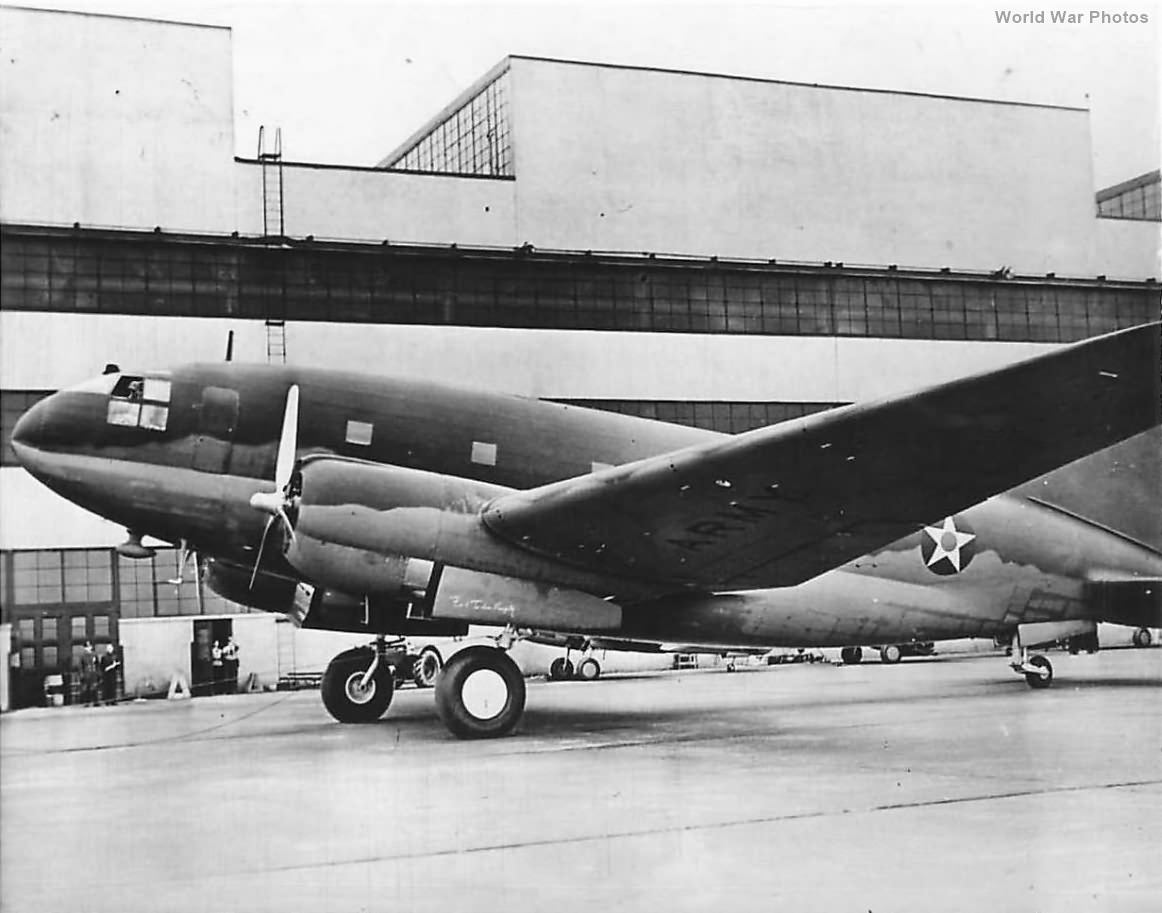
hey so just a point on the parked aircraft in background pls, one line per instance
(398, 507)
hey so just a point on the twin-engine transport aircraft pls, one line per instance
(399, 507)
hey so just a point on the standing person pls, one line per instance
(217, 670)
(109, 664)
(230, 658)
(90, 675)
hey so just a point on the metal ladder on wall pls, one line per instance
(274, 229)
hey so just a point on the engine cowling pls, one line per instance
(270, 593)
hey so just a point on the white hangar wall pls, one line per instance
(140, 134)
(370, 203)
(136, 131)
(1128, 249)
(617, 158)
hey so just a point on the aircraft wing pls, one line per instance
(782, 504)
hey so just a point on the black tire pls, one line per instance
(560, 669)
(890, 654)
(343, 697)
(1143, 638)
(426, 668)
(589, 670)
(851, 656)
(480, 694)
(1037, 679)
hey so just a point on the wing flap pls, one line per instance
(780, 505)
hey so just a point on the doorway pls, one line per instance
(203, 678)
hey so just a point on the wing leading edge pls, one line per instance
(782, 504)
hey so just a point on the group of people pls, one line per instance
(224, 663)
(98, 675)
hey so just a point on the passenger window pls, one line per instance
(359, 433)
(140, 402)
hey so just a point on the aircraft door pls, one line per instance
(217, 419)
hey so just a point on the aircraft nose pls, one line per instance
(29, 429)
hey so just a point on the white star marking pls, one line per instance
(940, 535)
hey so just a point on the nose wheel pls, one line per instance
(480, 694)
(357, 686)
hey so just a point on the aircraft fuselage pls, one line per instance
(178, 455)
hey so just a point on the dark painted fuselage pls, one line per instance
(188, 474)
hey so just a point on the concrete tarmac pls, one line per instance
(940, 784)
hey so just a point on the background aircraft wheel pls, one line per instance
(1040, 679)
(426, 667)
(851, 655)
(589, 670)
(1143, 638)
(890, 654)
(344, 695)
(480, 693)
(560, 669)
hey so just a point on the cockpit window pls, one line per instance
(139, 402)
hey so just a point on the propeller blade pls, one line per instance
(288, 442)
(275, 502)
(261, 549)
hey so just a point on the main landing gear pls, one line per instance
(480, 691)
(480, 694)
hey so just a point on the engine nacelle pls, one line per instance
(357, 524)
(316, 607)
(270, 593)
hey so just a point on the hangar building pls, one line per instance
(692, 247)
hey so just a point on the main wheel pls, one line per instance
(1042, 678)
(589, 670)
(851, 655)
(345, 695)
(560, 669)
(1143, 637)
(426, 667)
(890, 654)
(480, 694)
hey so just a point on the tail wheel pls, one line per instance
(426, 667)
(1043, 676)
(589, 670)
(350, 699)
(480, 694)
(560, 669)
(890, 654)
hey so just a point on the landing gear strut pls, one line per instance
(480, 693)
(358, 684)
(1038, 671)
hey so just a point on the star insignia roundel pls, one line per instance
(948, 548)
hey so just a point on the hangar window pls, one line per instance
(36, 577)
(140, 402)
(474, 139)
(88, 576)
